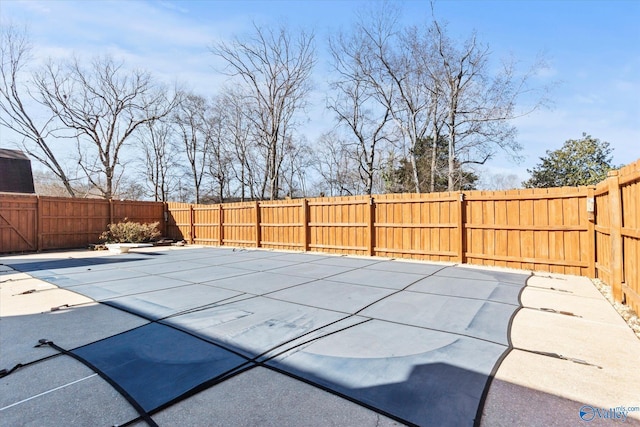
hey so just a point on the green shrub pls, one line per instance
(130, 232)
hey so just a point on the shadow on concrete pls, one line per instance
(39, 264)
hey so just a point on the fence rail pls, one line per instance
(588, 231)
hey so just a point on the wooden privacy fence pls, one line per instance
(588, 231)
(34, 223)
(617, 233)
(540, 229)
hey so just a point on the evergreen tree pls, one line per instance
(584, 161)
(400, 178)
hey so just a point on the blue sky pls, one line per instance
(592, 47)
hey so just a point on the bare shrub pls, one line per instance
(130, 232)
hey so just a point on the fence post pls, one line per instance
(165, 217)
(615, 218)
(305, 225)
(192, 227)
(38, 220)
(220, 225)
(461, 229)
(258, 231)
(371, 244)
(591, 232)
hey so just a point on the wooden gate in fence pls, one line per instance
(18, 223)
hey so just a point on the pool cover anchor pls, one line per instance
(554, 311)
(27, 292)
(559, 356)
(43, 342)
(5, 372)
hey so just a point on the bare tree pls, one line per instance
(15, 97)
(428, 121)
(275, 66)
(191, 121)
(298, 158)
(435, 87)
(480, 104)
(160, 158)
(395, 64)
(237, 137)
(220, 155)
(338, 167)
(101, 107)
(392, 65)
(129, 188)
(356, 105)
(500, 181)
(48, 183)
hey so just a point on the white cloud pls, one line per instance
(159, 37)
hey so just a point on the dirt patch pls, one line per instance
(630, 316)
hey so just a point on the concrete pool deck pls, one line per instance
(306, 339)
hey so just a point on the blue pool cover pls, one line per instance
(417, 342)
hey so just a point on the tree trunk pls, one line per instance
(434, 156)
(414, 167)
(273, 166)
(452, 154)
